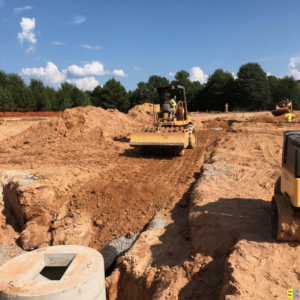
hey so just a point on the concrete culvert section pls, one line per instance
(59, 272)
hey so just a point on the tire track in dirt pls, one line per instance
(133, 187)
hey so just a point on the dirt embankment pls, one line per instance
(75, 179)
(228, 251)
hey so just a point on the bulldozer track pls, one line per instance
(142, 183)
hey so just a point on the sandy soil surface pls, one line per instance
(12, 128)
(204, 217)
(216, 242)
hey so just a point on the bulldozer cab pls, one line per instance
(284, 103)
(167, 113)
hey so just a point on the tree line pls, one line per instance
(251, 90)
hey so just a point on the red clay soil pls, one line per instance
(83, 157)
(11, 114)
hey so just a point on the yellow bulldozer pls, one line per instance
(172, 130)
(284, 106)
(285, 205)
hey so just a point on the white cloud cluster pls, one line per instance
(50, 74)
(19, 9)
(27, 33)
(93, 69)
(82, 77)
(233, 75)
(86, 83)
(172, 74)
(90, 47)
(119, 73)
(78, 20)
(293, 67)
(196, 74)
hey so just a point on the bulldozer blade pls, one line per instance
(280, 111)
(178, 139)
(285, 223)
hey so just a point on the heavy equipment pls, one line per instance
(170, 133)
(282, 107)
(285, 205)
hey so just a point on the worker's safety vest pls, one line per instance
(171, 102)
(288, 117)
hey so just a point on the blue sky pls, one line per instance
(88, 42)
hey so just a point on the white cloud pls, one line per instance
(93, 69)
(86, 83)
(90, 47)
(172, 74)
(198, 75)
(57, 43)
(269, 74)
(233, 75)
(30, 49)
(293, 67)
(119, 73)
(83, 78)
(50, 74)
(18, 10)
(136, 68)
(78, 20)
(27, 33)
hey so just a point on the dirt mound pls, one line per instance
(86, 125)
(266, 118)
(143, 113)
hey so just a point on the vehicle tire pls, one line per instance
(192, 136)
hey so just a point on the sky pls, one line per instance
(87, 42)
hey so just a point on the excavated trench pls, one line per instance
(120, 201)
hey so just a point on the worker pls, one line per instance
(289, 117)
(226, 108)
(172, 104)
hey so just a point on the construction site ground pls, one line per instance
(204, 217)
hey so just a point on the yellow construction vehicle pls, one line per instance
(284, 106)
(285, 205)
(172, 130)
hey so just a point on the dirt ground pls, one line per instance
(204, 217)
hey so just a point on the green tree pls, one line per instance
(96, 96)
(40, 100)
(114, 95)
(218, 91)
(6, 100)
(19, 92)
(64, 99)
(50, 94)
(253, 87)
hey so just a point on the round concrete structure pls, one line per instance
(58, 272)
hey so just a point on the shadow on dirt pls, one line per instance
(122, 139)
(136, 153)
(213, 230)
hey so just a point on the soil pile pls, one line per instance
(266, 118)
(79, 125)
(143, 113)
